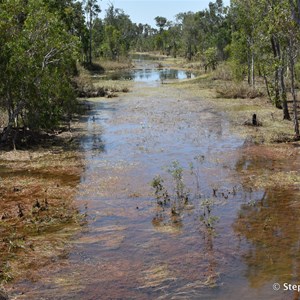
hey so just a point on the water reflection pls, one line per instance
(94, 140)
(149, 75)
(271, 226)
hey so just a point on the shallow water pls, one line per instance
(149, 75)
(133, 248)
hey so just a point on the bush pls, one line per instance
(223, 72)
(239, 91)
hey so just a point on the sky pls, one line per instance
(144, 11)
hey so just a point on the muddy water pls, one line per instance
(134, 248)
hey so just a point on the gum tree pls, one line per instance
(92, 9)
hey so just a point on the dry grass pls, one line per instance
(223, 72)
(239, 90)
(87, 87)
(37, 212)
(109, 65)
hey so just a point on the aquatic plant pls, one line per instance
(176, 171)
(180, 198)
(206, 217)
(161, 192)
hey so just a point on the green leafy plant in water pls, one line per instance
(161, 192)
(180, 199)
(206, 217)
(176, 172)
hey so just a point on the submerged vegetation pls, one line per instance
(182, 198)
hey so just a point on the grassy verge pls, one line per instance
(239, 103)
(88, 84)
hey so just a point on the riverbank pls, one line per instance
(38, 215)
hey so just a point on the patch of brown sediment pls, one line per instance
(265, 166)
(37, 212)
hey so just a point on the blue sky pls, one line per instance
(144, 11)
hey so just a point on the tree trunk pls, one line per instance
(293, 90)
(249, 69)
(11, 121)
(267, 86)
(252, 70)
(276, 52)
(90, 41)
(282, 88)
(276, 99)
(280, 99)
(189, 54)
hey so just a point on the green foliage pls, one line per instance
(37, 56)
(210, 58)
(160, 22)
(176, 172)
(238, 56)
(161, 192)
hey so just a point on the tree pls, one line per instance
(245, 15)
(160, 23)
(92, 10)
(190, 33)
(36, 55)
(120, 32)
(263, 25)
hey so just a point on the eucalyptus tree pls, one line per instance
(160, 23)
(120, 32)
(92, 9)
(174, 39)
(189, 33)
(245, 18)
